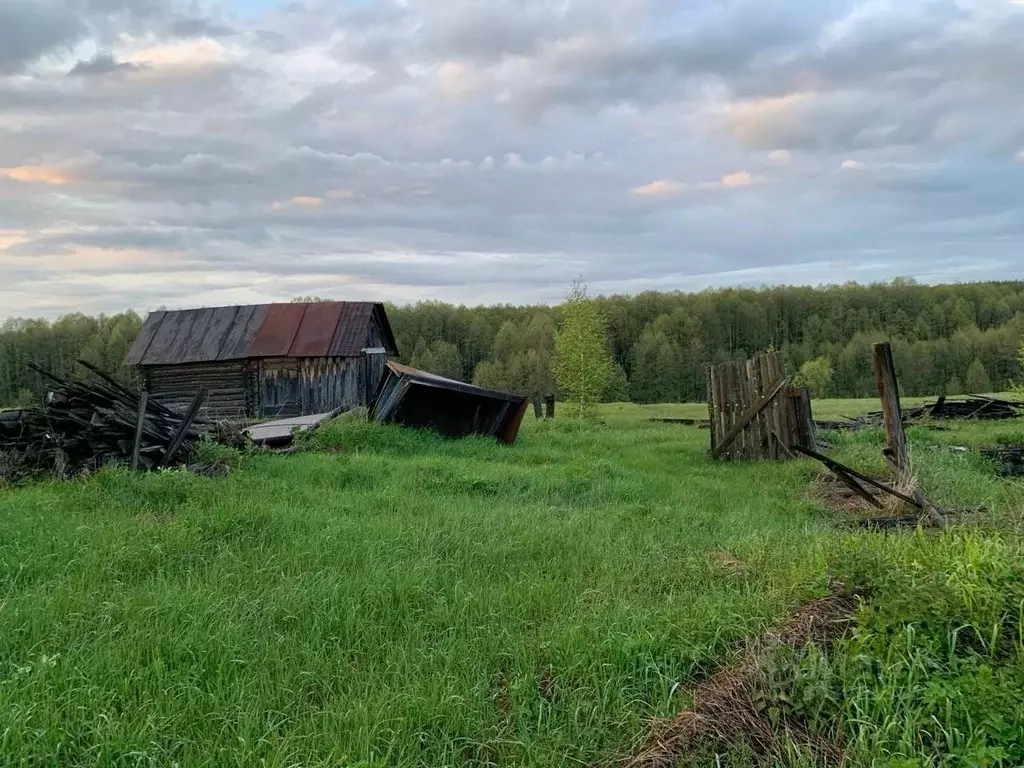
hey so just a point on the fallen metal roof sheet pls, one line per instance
(317, 329)
(416, 398)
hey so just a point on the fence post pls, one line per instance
(888, 391)
(549, 401)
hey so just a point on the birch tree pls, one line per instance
(582, 365)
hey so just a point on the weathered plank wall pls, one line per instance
(300, 386)
(753, 414)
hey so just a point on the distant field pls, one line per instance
(824, 409)
(395, 599)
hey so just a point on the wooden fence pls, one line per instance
(755, 413)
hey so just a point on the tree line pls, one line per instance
(947, 339)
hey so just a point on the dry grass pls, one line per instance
(725, 709)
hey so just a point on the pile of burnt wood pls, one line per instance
(83, 424)
(1009, 459)
(968, 407)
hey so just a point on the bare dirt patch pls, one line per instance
(724, 709)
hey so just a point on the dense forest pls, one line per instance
(946, 339)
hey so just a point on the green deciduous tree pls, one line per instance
(440, 357)
(656, 368)
(617, 390)
(815, 374)
(977, 381)
(1019, 383)
(490, 375)
(582, 365)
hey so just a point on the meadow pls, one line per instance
(391, 598)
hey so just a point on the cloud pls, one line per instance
(30, 28)
(670, 188)
(409, 149)
(102, 64)
(738, 179)
(660, 188)
(187, 54)
(39, 174)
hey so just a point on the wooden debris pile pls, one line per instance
(969, 407)
(1009, 459)
(84, 424)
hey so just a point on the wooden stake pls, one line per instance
(888, 390)
(139, 424)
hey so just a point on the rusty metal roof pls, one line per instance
(319, 329)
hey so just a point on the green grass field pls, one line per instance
(391, 598)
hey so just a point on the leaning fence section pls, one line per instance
(755, 413)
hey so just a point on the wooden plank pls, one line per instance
(737, 406)
(835, 465)
(892, 416)
(715, 406)
(766, 375)
(759, 425)
(917, 500)
(760, 439)
(728, 399)
(710, 374)
(723, 405)
(804, 417)
(179, 436)
(854, 486)
(752, 436)
(140, 423)
(781, 424)
(746, 417)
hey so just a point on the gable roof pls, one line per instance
(320, 329)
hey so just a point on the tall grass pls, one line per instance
(933, 673)
(390, 599)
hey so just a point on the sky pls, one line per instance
(163, 153)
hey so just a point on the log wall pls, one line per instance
(230, 386)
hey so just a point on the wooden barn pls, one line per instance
(265, 361)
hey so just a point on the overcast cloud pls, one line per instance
(192, 153)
